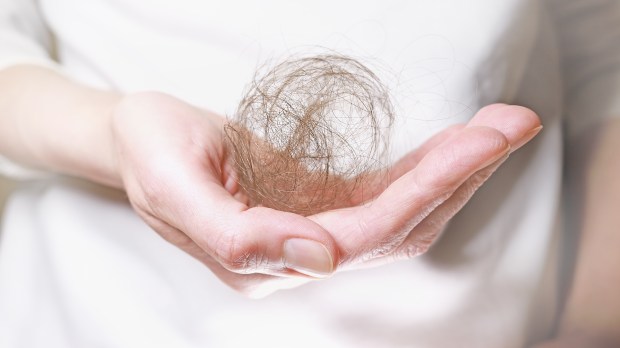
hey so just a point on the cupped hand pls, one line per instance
(177, 176)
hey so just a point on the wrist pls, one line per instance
(84, 147)
(97, 160)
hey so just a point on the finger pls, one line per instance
(376, 183)
(412, 159)
(424, 234)
(512, 120)
(489, 108)
(264, 240)
(493, 115)
(255, 285)
(481, 118)
(376, 229)
(246, 284)
(245, 241)
(517, 123)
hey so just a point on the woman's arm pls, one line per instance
(591, 317)
(593, 306)
(50, 122)
(589, 38)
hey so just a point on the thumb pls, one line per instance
(267, 241)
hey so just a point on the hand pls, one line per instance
(175, 172)
(174, 169)
(430, 185)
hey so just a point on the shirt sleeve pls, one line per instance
(589, 38)
(24, 39)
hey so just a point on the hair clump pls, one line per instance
(310, 133)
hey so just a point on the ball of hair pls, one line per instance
(311, 134)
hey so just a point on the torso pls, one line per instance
(116, 280)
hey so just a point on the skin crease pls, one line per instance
(187, 193)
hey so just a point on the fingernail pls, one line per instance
(308, 257)
(527, 137)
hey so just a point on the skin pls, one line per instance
(187, 192)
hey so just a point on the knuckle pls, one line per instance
(379, 246)
(239, 256)
(419, 245)
(154, 193)
(153, 189)
(382, 249)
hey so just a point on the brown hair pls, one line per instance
(310, 133)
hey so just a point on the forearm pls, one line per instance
(48, 121)
(593, 305)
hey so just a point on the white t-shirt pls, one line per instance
(79, 269)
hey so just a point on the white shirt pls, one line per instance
(78, 268)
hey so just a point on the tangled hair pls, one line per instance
(310, 133)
